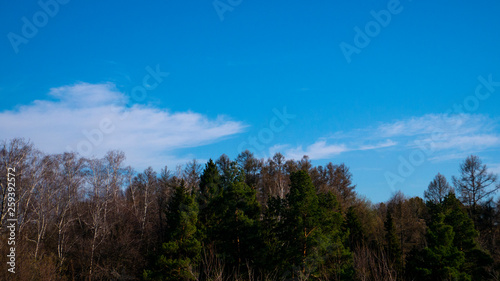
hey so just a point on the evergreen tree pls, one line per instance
(230, 171)
(312, 232)
(452, 251)
(180, 253)
(393, 245)
(335, 257)
(302, 220)
(209, 186)
(476, 259)
(441, 259)
(236, 223)
(271, 254)
(354, 228)
(208, 198)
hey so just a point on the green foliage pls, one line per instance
(271, 230)
(181, 252)
(213, 226)
(476, 259)
(354, 228)
(452, 252)
(441, 260)
(208, 197)
(236, 231)
(209, 183)
(312, 237)
(393, 246)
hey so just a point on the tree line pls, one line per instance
(241, 219)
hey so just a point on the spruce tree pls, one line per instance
(208, 196)
(452, 251)
(441, 259)
(180, 253)
(476, 259)
(236, 223)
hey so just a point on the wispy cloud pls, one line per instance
(322, 150)
(317, 150)
(386, 143)
(94, 118)
(432, 123)
(494, 168)
(447, 136)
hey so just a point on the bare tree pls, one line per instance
(337, 179)
(408, 214)
(42, 203)
(276, 170)
(251, 166)
(437, 189)
(473, 184)
(373, 264)
(69, 180)
(192, 175)
(147, 183)
(96, 205)
(16, 154)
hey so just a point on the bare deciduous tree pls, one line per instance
(473, 183)
(437, 189)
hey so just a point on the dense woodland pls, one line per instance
(241, 219)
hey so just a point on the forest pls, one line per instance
(241, 219)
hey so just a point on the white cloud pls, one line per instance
(494, 168)
(321, 150)
(465, 143)
(446, 136)
(317, 150)
(386, 143)
(451, 137)
(94, 118)
(431, 123)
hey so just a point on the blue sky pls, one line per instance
(168, 81)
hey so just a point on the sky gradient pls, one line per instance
(396, 90)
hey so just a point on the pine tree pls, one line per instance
(336, 261)
(234, 219)
(209, 184)
(208, 196)
(452, 251)
(441, 259)
(302, 221)
(393, 245)
(476, 259)
(312, 238)
(271, 253)
(180, 253)
(353, 226)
